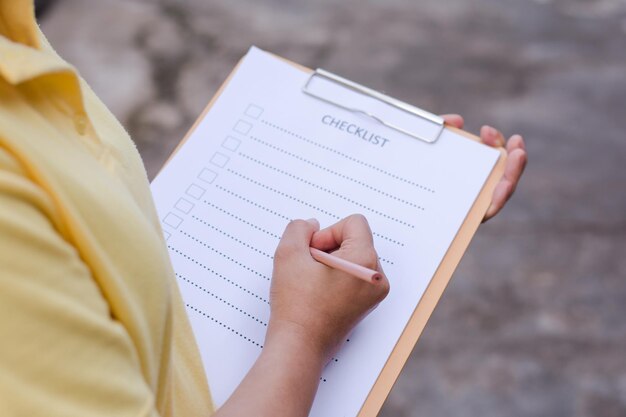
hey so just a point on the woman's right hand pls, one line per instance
(313, 307)
(317, 304)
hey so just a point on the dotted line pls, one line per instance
(347, 156)
(380, 213)
(385, 260)
(221, 299)
(228, 235)
(323, 168)
(322, 379)
(225, 256)
(388, 239)
(225, 326)
(242, 220)
(320, 187)
(284, 194)
(289, 219)
(252, 202)
(219, 275)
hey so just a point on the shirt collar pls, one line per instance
(26, 55)
(24, 52)
(17, 22)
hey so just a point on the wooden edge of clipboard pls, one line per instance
(416, 324)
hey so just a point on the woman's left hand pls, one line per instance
(515, 164)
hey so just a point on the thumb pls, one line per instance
(353, 231)
(297, 235)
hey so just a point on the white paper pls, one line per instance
(266, 153)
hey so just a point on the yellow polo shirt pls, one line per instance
(91, 321)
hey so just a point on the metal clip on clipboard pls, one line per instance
(436, 123)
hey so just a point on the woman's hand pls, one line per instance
(313, 307)
(317, 303)
(515, 163)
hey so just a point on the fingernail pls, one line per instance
(495, 134)
(520, 141)
(313, 221)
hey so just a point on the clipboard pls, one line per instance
(453, 255)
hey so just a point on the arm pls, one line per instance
(313, 307)
(61, 351)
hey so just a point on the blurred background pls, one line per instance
(534, 321)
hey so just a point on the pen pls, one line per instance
(348, 267)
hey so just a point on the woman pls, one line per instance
(91, 320)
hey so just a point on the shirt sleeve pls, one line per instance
(61, 351)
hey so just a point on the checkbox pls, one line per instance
(207, 175)
(254, 111)
(231, 143)
(195, 191)
(172, 220)
(184, 205)
(219, 159)
(166, 235)
(242, 127)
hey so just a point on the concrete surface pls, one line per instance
(534, 322)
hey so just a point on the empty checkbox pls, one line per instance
(219, 159)
(242, 127)
(166, 235)
(172, 220)
(195, 191)
(254, 111)
(207, 175)
(184, 205)
(231, 143)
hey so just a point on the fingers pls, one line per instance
(353, 230)
(516, 162)
(501, 194)
(515, 165)
(297, 236)
(454, 120)
(492, 136)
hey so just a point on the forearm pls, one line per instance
(283, 380)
